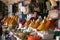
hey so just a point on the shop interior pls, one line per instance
(30, 19)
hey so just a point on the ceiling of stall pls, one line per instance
(14, 1)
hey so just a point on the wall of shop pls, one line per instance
(10, 1)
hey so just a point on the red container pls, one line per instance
(31, 37)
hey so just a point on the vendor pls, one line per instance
(34, 17)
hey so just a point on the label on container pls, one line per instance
(59, 23)
(58, 38)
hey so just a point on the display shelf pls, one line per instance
(15, 36)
